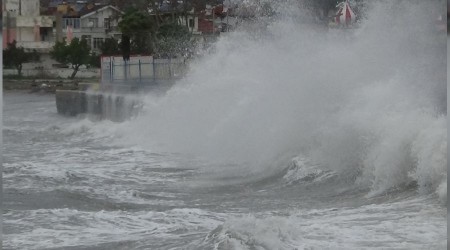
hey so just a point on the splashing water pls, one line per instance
(368, 102)
(301, 138)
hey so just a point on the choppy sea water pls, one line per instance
(282, 136)
(68, 186)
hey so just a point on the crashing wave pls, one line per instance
(303, 171)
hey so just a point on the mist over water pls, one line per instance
(369, 102)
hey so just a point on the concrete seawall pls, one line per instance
(111, 106)
(116, 102)
(71, 102)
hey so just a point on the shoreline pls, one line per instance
(45, 85)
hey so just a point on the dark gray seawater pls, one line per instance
(68, 184)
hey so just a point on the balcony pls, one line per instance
(99, 29)
(31, 21)
(103, 30)
(42, 46)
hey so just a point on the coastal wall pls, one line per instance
(71, 102)
(110, 106)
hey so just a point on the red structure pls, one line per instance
(208, 16)
(345, 15)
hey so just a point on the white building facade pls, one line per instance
(94, 24)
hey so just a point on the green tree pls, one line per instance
(110, 47)
(140, 27)
(15, 57)
(94, 60)
(158, 33)
(173, 40)
(76, 53)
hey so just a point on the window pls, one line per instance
(107, 23)
(76, 24)
(98, 43)
(73, 22)
(93, 22)
(191, 23)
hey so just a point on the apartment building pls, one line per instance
(23, 23)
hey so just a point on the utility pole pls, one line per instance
(213, 23)
(8, 26)
(228, 12)
(59, 36)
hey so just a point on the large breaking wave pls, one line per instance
(369, 102)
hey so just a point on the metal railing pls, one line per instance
(142, 71)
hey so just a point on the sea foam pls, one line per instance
(368, 101)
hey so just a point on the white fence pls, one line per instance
(142, 69)
(139, 69)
